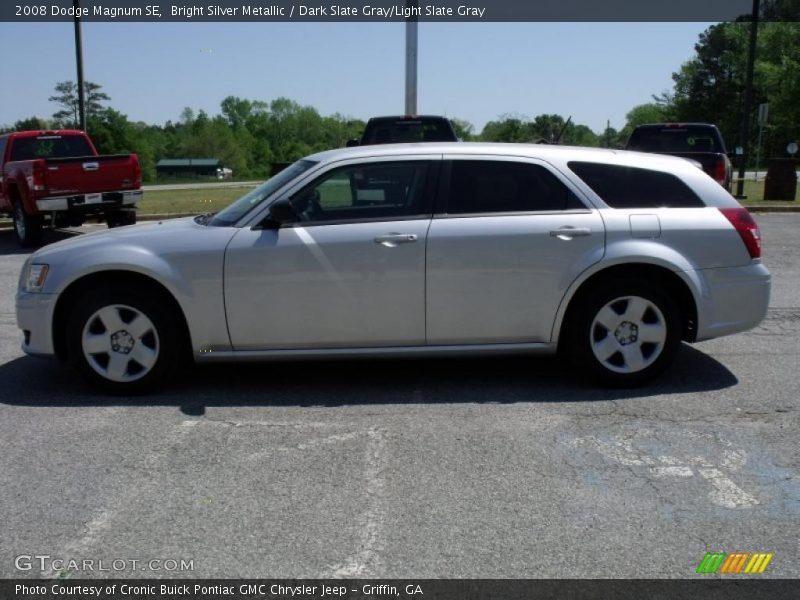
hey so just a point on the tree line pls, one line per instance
(250, 135)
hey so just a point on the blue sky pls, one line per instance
(473, 71)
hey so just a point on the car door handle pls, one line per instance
(390, 240)
(567, 233)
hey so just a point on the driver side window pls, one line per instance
(382, 190)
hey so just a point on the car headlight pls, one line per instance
(36, 276)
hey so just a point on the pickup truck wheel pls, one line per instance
(122, 340)
(625, 333)
(120, 218)
(27, 228)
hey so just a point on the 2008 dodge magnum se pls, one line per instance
(610, 257)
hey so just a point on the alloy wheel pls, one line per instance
(628, 334)
(120, 343)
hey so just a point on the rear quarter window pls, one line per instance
(631, 187)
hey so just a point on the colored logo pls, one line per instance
(734, 563)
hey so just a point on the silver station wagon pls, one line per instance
(610, 258)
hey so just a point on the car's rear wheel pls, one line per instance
(624, 332)
(123, 340)
(27, 228)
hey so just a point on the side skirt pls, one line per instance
(392, 352)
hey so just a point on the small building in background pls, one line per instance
(190, 168)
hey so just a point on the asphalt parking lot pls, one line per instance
(439, 468)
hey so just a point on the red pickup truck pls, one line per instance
(58, 177)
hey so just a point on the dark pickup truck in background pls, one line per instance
(700, 142)
(57, 176)
(401, 130)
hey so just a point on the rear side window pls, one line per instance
(50, 146)
(484, 186)
(2, 147)
(630, 187)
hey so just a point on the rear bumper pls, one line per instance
(734, 299)
(90, 202)
(35, 318)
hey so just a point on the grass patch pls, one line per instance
(202, 180)
(754, 190)
(189, 201)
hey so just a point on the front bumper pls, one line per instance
(90, 202)
(35, 319)
(734, 299)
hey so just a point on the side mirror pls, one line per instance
(282, 211)
(351, 143)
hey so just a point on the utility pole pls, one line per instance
(412, 8)
(79, 61)
(763, 115)
(744, 135)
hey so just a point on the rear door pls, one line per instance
(511, 237)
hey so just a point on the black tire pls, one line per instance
(129, 217)
(586, 337)
(27, 228)
(127, 302)
(120, 218)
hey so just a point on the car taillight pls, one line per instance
(720, 171)
(746, 227)
(137, 173)
(38, 175)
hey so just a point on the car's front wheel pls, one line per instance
(123, 340)
(625, 333)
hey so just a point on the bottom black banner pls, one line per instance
(385, 589)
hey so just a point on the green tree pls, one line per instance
(66, 96)
(543, 128)
(652, 112)
(784, 10)
(510, 128)
(464, 129)
(32, 123)
(710, 87)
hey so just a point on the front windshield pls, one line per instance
(232, 213)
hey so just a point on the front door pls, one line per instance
(349, 273)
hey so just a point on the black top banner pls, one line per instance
(389, 11)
